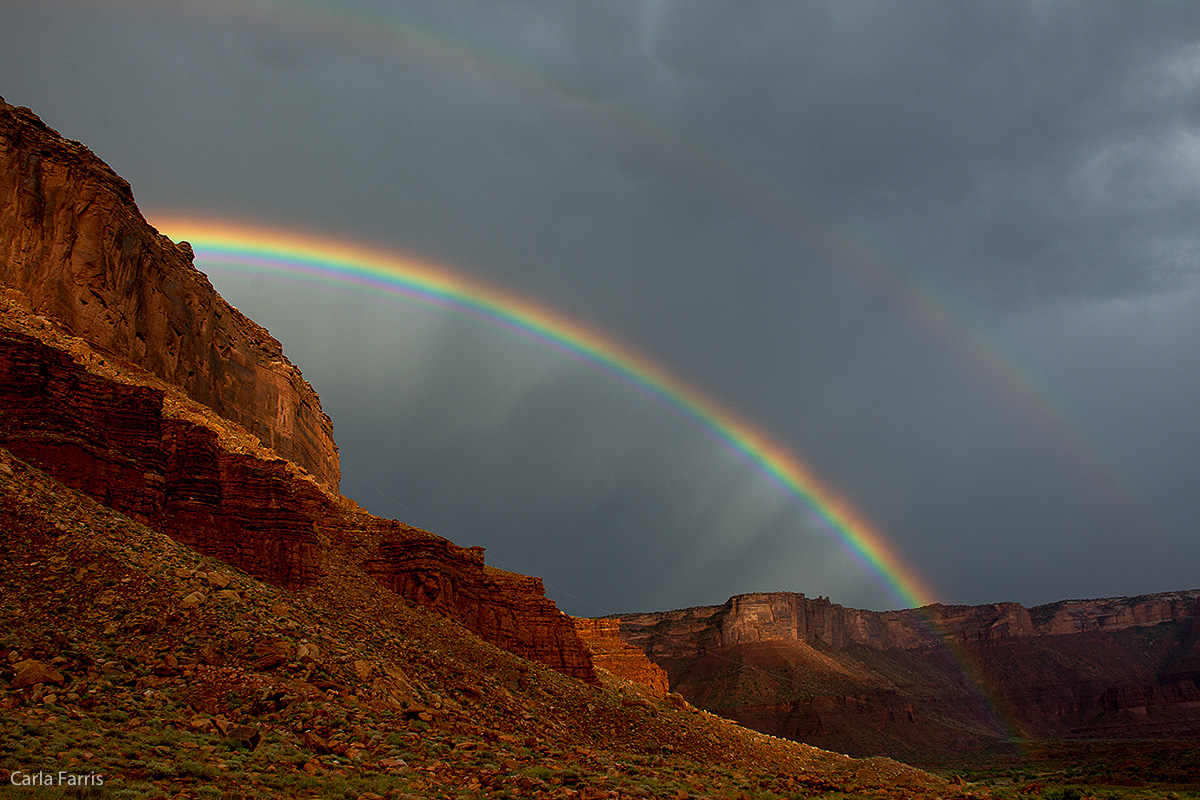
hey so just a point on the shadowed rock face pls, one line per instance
(113, 441)
(869, 682)
(72, 240)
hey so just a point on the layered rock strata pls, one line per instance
(73, 241)
(602, 637)
(507, 609)
(920, 681)
(113, 441)
(791, 616)
(163, 461)
(124, 375)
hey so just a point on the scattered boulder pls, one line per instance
(31, 672)
(677, 700)
(245, 736)
(219, 580)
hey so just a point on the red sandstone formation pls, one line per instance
(602, 637)
(789, 616)
(113, 441)
(509, 610)
(91, 293)
(870, 682)
(72, 240)
(155, 457)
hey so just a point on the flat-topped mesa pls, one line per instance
(74, 243)
(791, 616)
(871, 682)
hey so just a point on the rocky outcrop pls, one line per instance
(124, 445)
(509, 610)
(602, 637)
(943, 677)
(114, 442)
(73, 242)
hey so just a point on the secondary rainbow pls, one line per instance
(234, 247)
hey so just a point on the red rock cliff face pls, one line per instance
(123, 374)
(113, 441)
(509, 610)
(72, 240)
(807, 668)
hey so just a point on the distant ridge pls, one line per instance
(871, 682)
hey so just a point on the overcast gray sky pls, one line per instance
(943, 252)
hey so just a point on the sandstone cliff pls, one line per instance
(73, 241)
(791, 616)
(918, 682)
(124, 375)
(166, 461)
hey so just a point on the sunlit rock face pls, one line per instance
(74, 243)
(925, 683)
(124, 375)
(505, 608)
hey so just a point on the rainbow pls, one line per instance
(334, 263)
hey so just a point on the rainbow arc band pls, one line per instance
(324, 261)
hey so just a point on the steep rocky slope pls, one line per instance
(74, 243)
(925, 682)
(142, 448)
(129, 657)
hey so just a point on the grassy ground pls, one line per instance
(1099, 769)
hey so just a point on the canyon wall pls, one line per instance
(791, 616)
(920, 682)
(74, 243)
(123, 374)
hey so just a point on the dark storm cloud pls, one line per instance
(944, 251)
(1012, 146)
